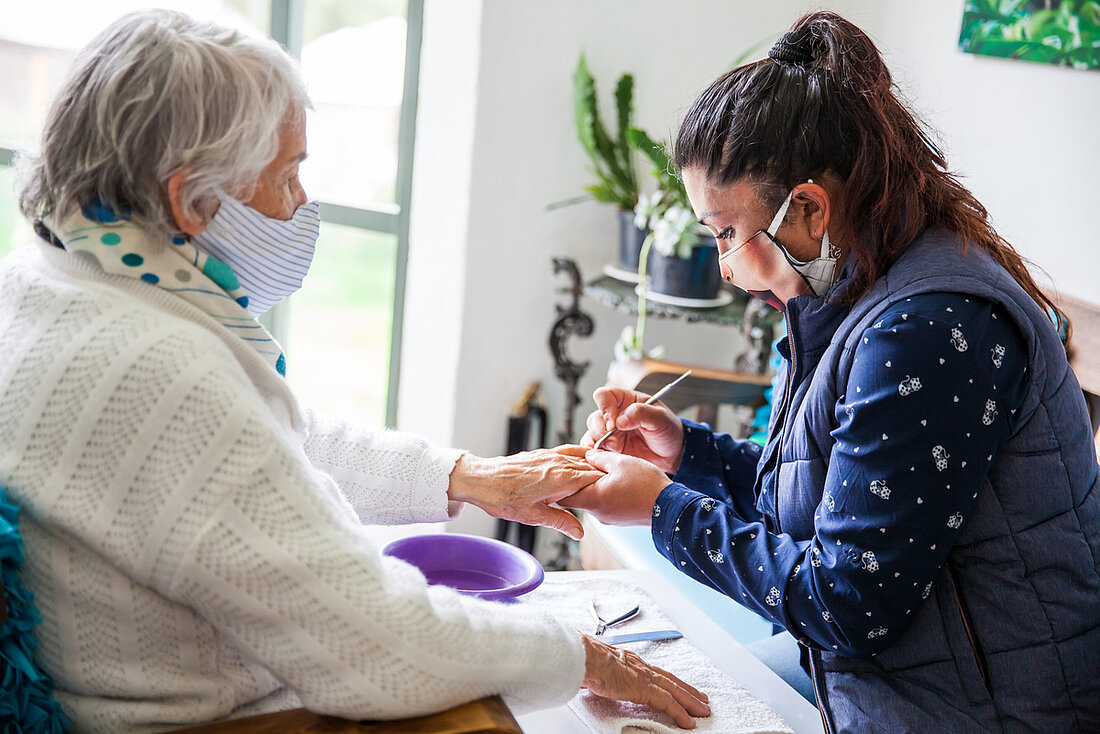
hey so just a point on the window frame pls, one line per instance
(287, 28)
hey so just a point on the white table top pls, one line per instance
(725, 652)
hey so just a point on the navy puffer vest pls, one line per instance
(1008, 638)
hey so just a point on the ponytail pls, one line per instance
(823, 104)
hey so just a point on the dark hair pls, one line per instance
(823, 105)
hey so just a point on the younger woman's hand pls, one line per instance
(650, 432)
(621, 674)
(625, 494)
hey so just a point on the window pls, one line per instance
(360, 60)
(13, 227)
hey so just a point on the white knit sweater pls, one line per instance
(194, 542)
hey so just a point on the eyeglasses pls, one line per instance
(777, 221)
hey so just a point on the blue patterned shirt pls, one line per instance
(930, 400)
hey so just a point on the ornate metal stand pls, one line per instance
(571, 321)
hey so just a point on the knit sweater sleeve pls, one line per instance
(281, 565)
(390, 477)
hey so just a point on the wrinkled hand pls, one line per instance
(522, 486)
(622, 674)
(650, 432)
(625, 495)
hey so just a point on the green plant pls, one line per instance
(1065, 33)
(631, 343)
(667, 212)
(612, 158)
(668, 182)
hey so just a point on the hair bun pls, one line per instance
(793, 48)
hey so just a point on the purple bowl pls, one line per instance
(484, 567)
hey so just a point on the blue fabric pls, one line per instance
(764, 413)
(26, 706)
(993, 619)
(881, 486)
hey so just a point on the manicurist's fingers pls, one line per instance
(572, 450)
(552, 517)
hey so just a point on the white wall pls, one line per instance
(1025, 136)
(436, 285)
(496, 144)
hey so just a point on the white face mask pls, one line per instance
(819, 272)
(270, 257)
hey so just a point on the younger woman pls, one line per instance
(924, 517)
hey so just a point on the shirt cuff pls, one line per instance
(431, 503)
(670, 505)
(700, 459)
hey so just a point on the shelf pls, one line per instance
(621, 297)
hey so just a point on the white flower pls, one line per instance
(877, 632)
(629, 346)
(646, 209)
(869, 562)
(673, 232)
(773, 597)
(715, 556)
(708, 504)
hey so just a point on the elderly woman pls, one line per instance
(193, 539)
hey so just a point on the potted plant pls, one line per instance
(683, 263)
(612, 157)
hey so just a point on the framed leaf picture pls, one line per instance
(1060, 32)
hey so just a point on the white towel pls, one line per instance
(733, 709)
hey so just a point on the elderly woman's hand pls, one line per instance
(621, 674)
(522, 486)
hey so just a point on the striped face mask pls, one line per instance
(270, 257)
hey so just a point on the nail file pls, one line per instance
(640, 637)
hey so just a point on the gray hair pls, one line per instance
(156, 93)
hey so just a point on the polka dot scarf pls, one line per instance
(120, 248)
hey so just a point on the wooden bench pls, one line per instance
(484, 716)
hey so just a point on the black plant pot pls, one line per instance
(630, 241)
(696, 276)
